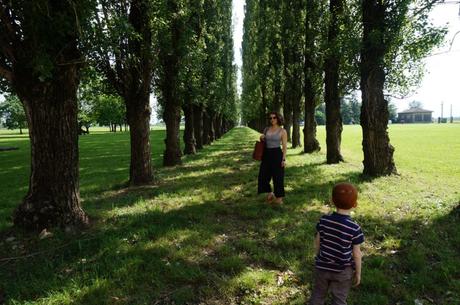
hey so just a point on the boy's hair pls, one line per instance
(344, 195)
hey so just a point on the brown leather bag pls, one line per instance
(258, 152)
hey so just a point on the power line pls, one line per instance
(447, 2)
(450, 46)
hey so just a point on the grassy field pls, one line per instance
(201, 235)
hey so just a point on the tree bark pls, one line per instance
(222, 125)
(172, 108)
(297, 96)
(217, 126)
(138, 115)
(172, 154)
(287, 113)
(198, 125)
(206, 128)
(131, 77)
(378, 152)
(310, 142)
(53, 198)
(212, 135)
(277, 97)
(311, 73)
(276, 56)
(189, 137)
(332, 93)
(137, 78)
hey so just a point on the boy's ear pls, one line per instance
(355, 204)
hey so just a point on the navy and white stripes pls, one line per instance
(338, 233)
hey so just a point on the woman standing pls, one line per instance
(273, 160)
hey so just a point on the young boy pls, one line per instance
(337, 243)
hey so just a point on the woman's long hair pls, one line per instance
(279, 118)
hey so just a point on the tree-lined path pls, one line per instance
(202, 236)
(170, 215)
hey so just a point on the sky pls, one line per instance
(441, 81)
(238, 18)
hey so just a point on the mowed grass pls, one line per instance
(201, 235)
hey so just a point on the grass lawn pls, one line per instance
(201, 235)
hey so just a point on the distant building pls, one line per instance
(415, 115)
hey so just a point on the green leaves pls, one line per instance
(43, 34)
(12, 114)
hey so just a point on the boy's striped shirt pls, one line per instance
(338, 233)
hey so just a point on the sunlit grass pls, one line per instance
(202, 235)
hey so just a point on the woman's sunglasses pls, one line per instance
(273, 118)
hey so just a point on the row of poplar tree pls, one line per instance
(298, 54)
(180, 49)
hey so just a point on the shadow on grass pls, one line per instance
(202, 236)
(411, 259)
(13, 137)
(183, 255)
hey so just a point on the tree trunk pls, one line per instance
(222, 125)
(135, 78)
(172, 155)
(53, 198)
(333, 117)
(287, 112)
(311, 73)
(138, 115)
(276, 56)
(277, 98)
(217, 126)
(214, 125)
(212, 135)
(206, 128)
(170, 57)
(332, 93)
(296, 130)
(310, 142)
(198, 125)
(189, 138)
(378, 152)
(297, 96)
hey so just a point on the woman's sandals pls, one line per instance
(272, 200)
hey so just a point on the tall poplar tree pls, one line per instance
(122, 49)
(395, 35)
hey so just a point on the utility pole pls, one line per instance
(442, 110)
